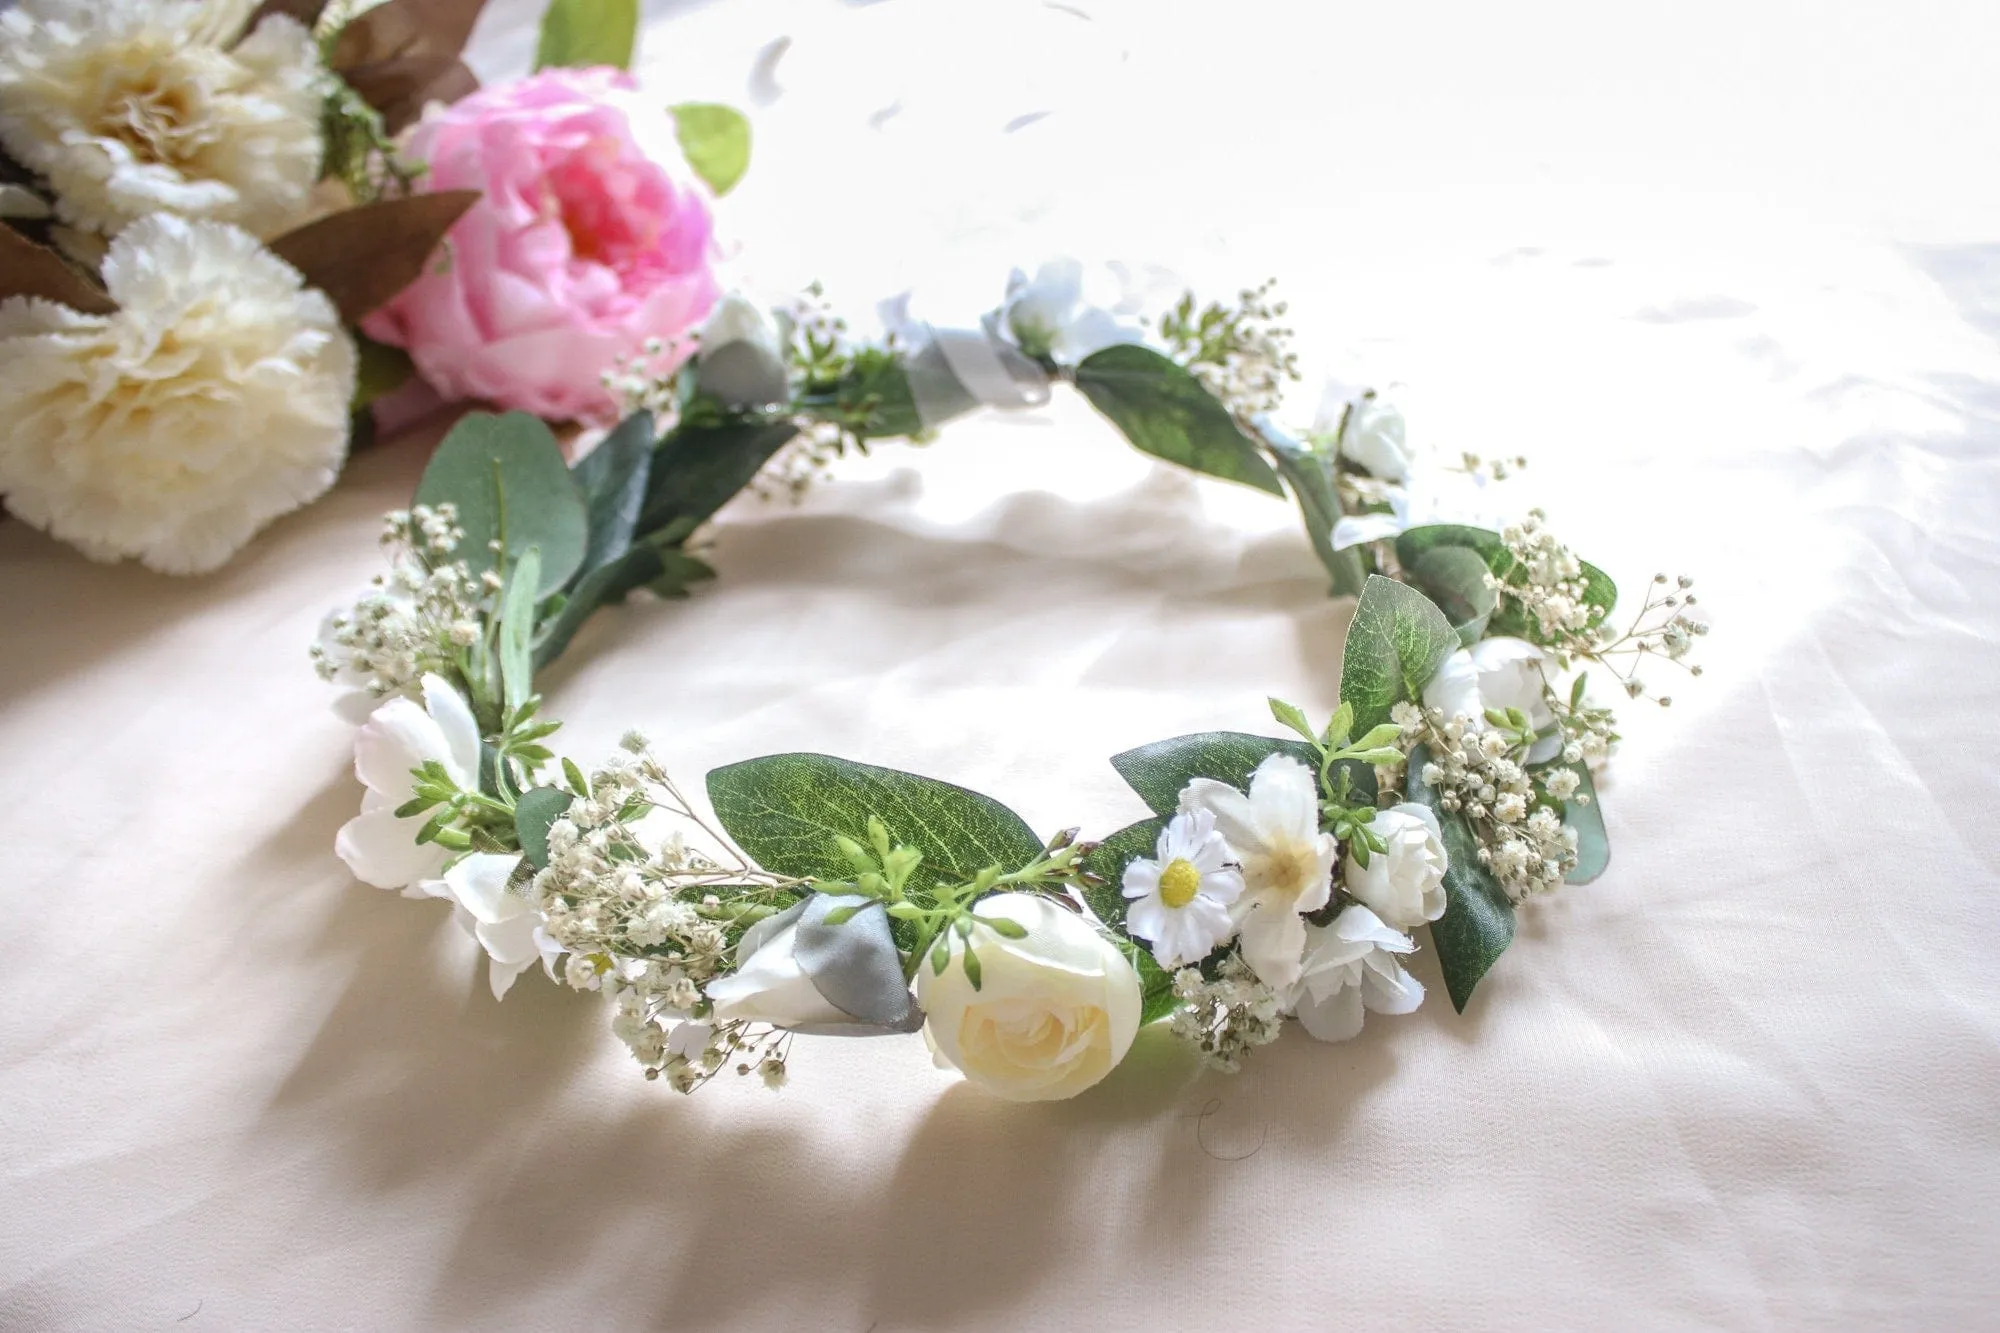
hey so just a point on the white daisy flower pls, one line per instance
(1181, 901)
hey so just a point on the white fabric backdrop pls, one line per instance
(1728, 273)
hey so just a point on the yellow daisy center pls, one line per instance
(1178, 882)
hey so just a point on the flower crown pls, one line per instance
(1274, 877)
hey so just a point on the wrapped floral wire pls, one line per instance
(1273, 878)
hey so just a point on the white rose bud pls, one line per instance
(1377, 439)
(768, 985)
(1403, 884)
(1496, 673)
(742, 356)
(1054, 1012)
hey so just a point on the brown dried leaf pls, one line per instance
(400, 88)
(406, 28)
(364, 256)
(28, 269)
(305, 11)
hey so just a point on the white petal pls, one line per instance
(1235, 817)
(1358, 925)
(1455, 690)
(1418, 810)
(1492, 654)
(382, 850)
(398, 737)
(1285, 797)
(479, 882)
(1360, 529)
(460, 730)
(1274, 941)
(1335, 1018)
(1142, 877)
(1387, 988)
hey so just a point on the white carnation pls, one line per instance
(131, 107)
(213, 400)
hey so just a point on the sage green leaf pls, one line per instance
(1310, 476)
(1508, 619)
(533, 813)
(1455, 578)
(1164, 411)
(517, 628)
(696, 470)
(1593, 846)
(716, 142)
(1159, 771)
(612, 478)
(789, 810)
(507, 476)
(667, 571)
(880, 388)
(1478, 921)
(1394, 645)
(582, 33)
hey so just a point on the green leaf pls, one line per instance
(1159, 771)
(1310, 476)
(716, 141)
(1292, 716)
(533, 813)
(696, 470)
(507, 476)
(1394, 645)
(665, 570)
(1455, 578)
(517, 628)
(1164, 411)
(1593, 846)
(582, 33)
(1508, 619)
(612, 478)
(1105, 894)
(379, 370)
(788, 810)
(1478, 921)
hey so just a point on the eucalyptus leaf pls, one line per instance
(1508, 619)
(1159, 771)
(507, 477)
(1310, 476)
(1455, 578)
(788, 811)
(696, 470)
(1396, 641)
(1478, 921)
(612, 478)
(1593, 846)
(667, 571)
(582, 33)
(538, 808)
(716, 142)
(1164, 411)
(517, 628)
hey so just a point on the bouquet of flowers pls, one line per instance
(227, 228)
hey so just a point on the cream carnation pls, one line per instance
(131, 107)
(213, 400)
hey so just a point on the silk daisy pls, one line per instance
(1181, 900)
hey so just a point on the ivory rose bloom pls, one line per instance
(1404, 883)
(1496, 673)
(378, 847)
(592, 238)
(212, 400)
(1054, 1012)
(132, 107)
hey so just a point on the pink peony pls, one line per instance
(592, 238)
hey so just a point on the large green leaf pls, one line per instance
(665, 570)
(507, 476)
(698, 468)
(1455, 578)
(1164, 411)
(1394, 645)
(1478, 921)
(612, 478)
(1106, 895)
(582, 33)
(786, 810)
(1159, 771)
(517, 628)
(716, 141)
(1508, 620)
(1311, 480)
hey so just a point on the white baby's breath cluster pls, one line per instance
(638, 383)
(1480, 774)
(417, 618)
(1227, 1018)
(1242, 355)
(631, 903)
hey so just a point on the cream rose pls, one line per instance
(132, 107)
(1054, 1011)
(214, 399)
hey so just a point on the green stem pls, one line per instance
(923, 947)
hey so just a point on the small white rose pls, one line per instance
(1496, 673)
(1054, 1012)
(401, 736)
(741, 361)
(1048, 315)
(768, 985)
(1370, 427)
(1351, 965)
(1403, 884)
